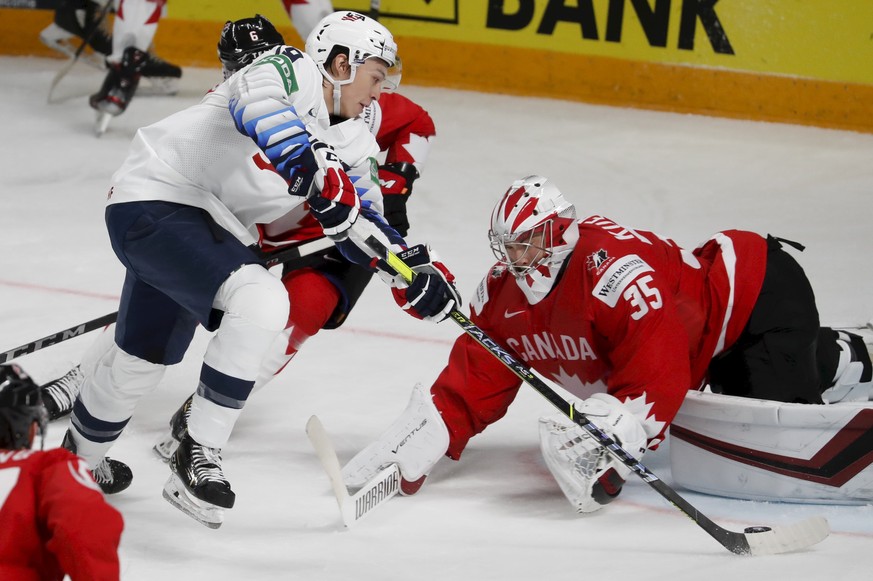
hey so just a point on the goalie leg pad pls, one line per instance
(587, 475)
(415, 442)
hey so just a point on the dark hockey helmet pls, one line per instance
(22, 413)
(243, 40)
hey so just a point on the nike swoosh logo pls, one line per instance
(508, 315)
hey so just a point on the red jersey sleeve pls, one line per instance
(84, 530)
(473, 391)
(404, 130)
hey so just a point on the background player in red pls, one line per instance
(53, 517)
(628, 322)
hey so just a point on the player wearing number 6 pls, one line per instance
(628, 322)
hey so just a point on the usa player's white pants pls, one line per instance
(255, 307)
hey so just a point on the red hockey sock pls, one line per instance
(313, 299)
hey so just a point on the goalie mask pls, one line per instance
(360, 38)
(242, 41)
(532, 234)
(22, 414)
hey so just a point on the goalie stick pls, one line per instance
(377, 491)
(757, 540)
(270, 260)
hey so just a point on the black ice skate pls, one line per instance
(166, 446)
(112, 476)
(118, 87)
(59, 395)
(74, 22)
(197, 485)
(159, 77)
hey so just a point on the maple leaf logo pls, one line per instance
(596, 259)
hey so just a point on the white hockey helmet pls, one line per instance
(532, 234)
(358, 36)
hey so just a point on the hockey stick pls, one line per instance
(377, 491)
(270, 260)
(375, 6)
(75, 58)
(758, 540)
(59, 337)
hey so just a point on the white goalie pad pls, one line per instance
(415, 442)
(782, 452)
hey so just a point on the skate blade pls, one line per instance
(203, 512)
(166, 447)
(102, 124)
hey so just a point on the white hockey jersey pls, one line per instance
(196, 157)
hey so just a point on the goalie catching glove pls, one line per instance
(334, 201)
(432, 294)
(415, 442)
(588, 475)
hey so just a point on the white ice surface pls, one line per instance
(496, 514)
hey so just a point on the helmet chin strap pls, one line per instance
(337, 93)
(337, 87)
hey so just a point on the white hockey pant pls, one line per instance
(111, 393)
(255, 306)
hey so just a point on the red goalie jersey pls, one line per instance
(54, 519)
(631, 314)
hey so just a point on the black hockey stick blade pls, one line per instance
(759, 540)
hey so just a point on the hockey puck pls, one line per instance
(750, 530)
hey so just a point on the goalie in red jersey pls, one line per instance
(53, 517)
(628, 322)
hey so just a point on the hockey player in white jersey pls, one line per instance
(182, 217)
(404, 131)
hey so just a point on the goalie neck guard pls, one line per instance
(532, 234)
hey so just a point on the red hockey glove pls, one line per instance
(432, 294)
(396, 180)
(335, 204)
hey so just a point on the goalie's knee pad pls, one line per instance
(853, 379)
(415, 442)
(587, 475)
